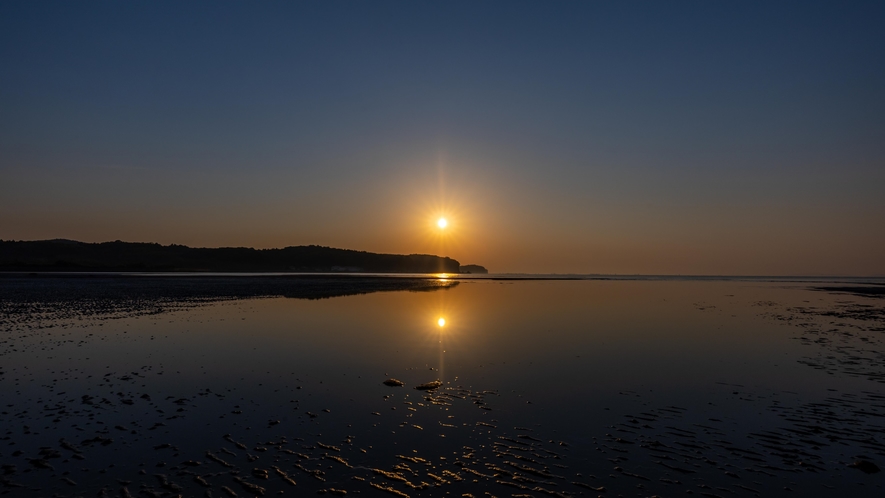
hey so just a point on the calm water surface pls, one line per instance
(549, 388)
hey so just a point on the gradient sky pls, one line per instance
(585, 137)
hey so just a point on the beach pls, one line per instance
(250, 386)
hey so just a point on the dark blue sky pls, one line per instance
(693, 137)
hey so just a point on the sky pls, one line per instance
(738, 138)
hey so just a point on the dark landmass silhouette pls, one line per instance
(62, 255)
(473, 269)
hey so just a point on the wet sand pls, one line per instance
(179, 387)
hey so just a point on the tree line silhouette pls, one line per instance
(69, 255)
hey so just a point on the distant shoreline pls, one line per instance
(875, 281)
(61, 255)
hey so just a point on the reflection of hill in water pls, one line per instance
(68, 296)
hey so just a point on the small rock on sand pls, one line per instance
(865, 466)
(429, 386)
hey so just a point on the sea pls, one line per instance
(242, 385)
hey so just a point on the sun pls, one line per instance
(441, 322)
(442, 223)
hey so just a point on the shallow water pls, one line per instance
(585, 387)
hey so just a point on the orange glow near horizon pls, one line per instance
(443, 219)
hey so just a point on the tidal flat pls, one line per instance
(127, 385)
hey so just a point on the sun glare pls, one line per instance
(441, 322)
(442, 223)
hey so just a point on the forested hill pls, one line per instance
(69, 255)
